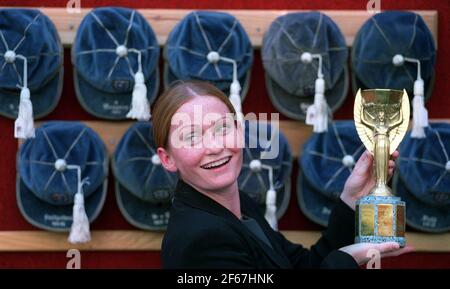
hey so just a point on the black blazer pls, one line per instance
(203, 234)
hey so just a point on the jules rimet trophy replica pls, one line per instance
(381, 120)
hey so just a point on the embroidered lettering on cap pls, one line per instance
(161, 219)
(48, 217)
(115, 108)
(441, 198)
(326, 211)
(60, 197)
(429, 221)
(161, 195)
(58, 220)
(122, 85)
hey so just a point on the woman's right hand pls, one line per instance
(362, 179)
(360, 252)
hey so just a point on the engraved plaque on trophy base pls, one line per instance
(380, 219)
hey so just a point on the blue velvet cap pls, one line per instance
(198, 34)
(381, 38)
(45, 194)
(104, 80)
(269, 146)
(423, 179)
(144, 189)
(324, 166)
(290, 82)
(30, 33)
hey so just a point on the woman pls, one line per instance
(212, 224)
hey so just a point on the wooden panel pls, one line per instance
(255, 22)
(111, 132)
(114, 240)
(118, 240)
(296, 132)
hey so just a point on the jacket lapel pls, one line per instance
(274, 253)
(189, 195)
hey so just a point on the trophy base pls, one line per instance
(380, 219)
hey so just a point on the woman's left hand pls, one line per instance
(362, 252)
(362, 178)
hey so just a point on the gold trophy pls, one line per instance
(381, 120)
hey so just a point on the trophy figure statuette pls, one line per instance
(381, 120)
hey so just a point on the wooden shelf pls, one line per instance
(119, 240)
(112, 240)
(255, 22)
(296, 132)
(111, 132)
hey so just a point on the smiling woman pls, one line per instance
(201, 143)
(212, 224)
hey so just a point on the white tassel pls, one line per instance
(317, 113)
(271, 209)
(24, 124)
(235, 87)
(420, 113)
(235, 100)
(79, 232)
(140, 107)
(271, 200)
